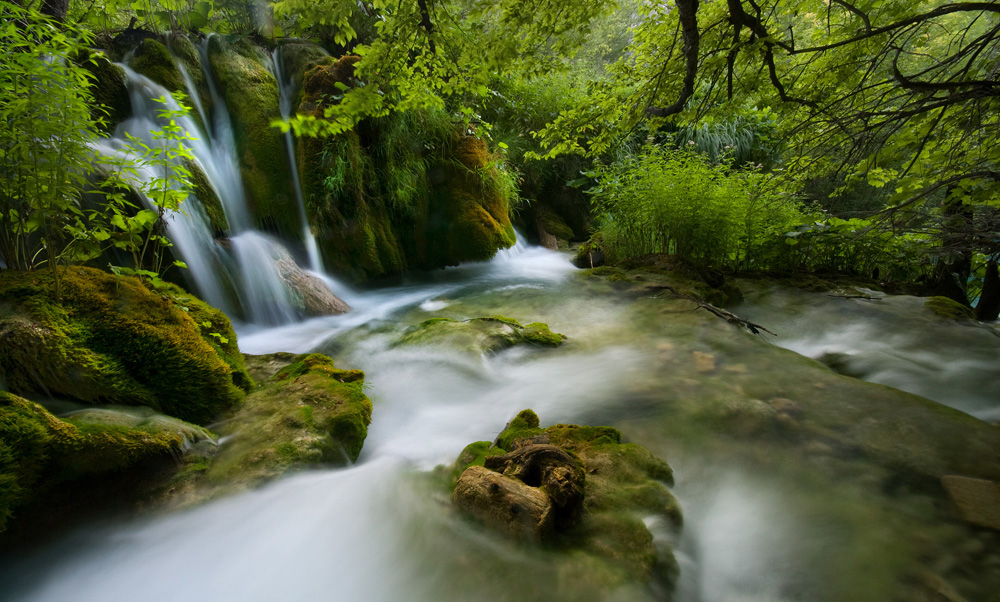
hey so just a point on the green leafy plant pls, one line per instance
(45, 133)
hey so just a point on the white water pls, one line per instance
(242, 280)
(286, 87)
(883, 340)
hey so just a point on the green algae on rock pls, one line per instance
(306, 412)
(946, 308)
(251, 97)
(482, 335)
(112, 103)
(527, 484)
(154, 60)
(112, 340)
(39, 451)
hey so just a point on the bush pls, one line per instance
(678, 201)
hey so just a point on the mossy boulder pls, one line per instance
(108, 87)
(307, 412)
(623, 486)
(297, 57)
(251, 96)
(480, 335)
(946, 308)
(154, 60)
(112, 340)
(210, 201)
(552, 230)
(39, 451)
(468, 218)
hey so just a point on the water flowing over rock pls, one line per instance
(572, 487)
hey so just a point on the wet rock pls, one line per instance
(481, 335)
(589, 493)
(308, 412)
(154, 60)
(251, 96)
(309, 295)
(42, 455)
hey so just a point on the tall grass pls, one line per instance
(666, 200)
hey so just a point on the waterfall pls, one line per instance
(241, 275)
(286, 87)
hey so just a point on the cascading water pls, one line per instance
(286, 87)
(243, 279)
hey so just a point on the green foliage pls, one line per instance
(45, 128)
(159, 173)
(677, 201)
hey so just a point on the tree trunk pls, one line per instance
(988, 308)
(57, 9)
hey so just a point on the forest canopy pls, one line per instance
(869, 127)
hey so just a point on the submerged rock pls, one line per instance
(483, 335)
(575, 488)
(113, 340)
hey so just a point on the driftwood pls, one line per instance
(504, 503)
(718, 311)
(543, 465)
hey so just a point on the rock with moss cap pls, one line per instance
(487, 334)
(154, 60)
(468, 218)
(108, 88)
(574, 488)
(43, 457)
(946, 308)
(113, 340)
(306, 412)
(251, 96)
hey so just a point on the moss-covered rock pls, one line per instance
(154, 60)
(480, 335)
(624, 485)
(468, 218)
(108, 88)
(112, 340)
(186, 55)
(251, 96)
(946, 308)
(210, 201)
(39, 451)
(308, 412)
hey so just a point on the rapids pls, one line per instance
(765, 519)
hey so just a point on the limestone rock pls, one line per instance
(309, 295)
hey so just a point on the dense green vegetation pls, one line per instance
(855, 137)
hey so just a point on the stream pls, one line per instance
(764, 521)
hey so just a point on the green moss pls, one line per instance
(538, 333)
(39, 451)
(480, 335)
(308, 412)
(111, 99)
(553, 224)
(202, 189)
(154, 60)
(947, 308)
(624, 484)
(251, 96)
(112, 340)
